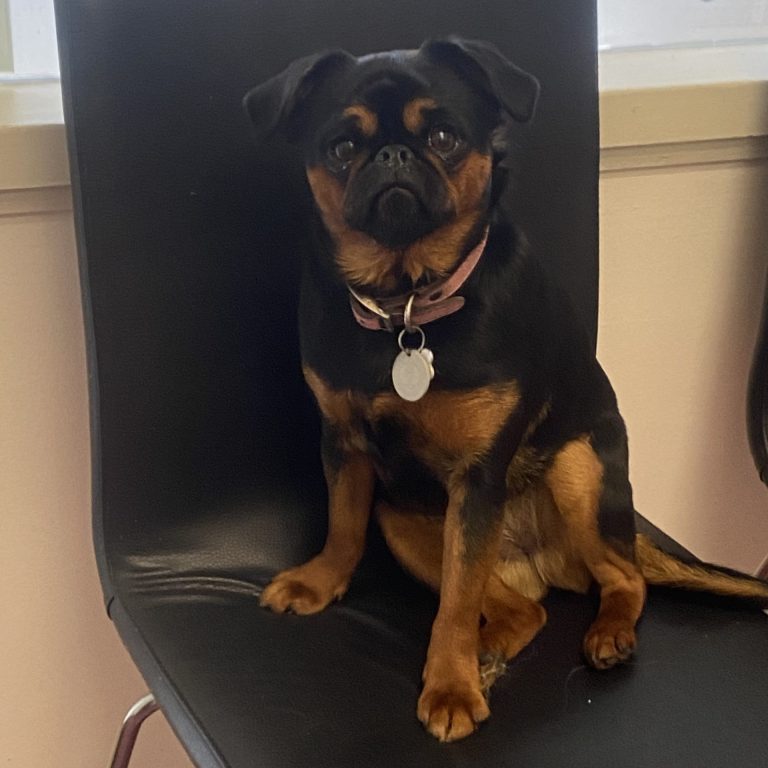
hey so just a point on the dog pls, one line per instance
(460, 397)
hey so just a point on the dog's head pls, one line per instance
(399, 149)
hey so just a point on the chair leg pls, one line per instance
(129, 730)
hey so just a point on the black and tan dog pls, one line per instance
(497, 463)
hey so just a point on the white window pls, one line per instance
(28, 35)
(28, 39)
(668, 23)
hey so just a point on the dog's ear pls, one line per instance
(513, 89)
(279, 102)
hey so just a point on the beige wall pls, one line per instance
(683, 257)
(65, 680)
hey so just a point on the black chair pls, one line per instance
(206, 474)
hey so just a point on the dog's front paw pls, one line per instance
(306, 589)
(608, 642)
(452, 711)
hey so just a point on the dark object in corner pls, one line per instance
(757, 400)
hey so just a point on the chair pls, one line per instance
(757, 398)
(206, 474)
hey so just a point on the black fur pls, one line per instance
(487, 488)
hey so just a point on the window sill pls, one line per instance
(33, 148)
(685, 106)
(657, 108)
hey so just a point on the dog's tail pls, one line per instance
(662, 569)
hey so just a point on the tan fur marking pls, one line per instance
(575, 480)
(365, 262)
(342, 408)
(310, 587)
(334, 404)
(536, 549)
(436, 254)
(350, 497)
(416, 540)
(367, 120)
(448, 426)
(413, 114)
(512, 621)
(469, 183)
(328, 192)
(360, 258)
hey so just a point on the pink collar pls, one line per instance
(430, 302)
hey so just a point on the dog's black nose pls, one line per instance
(394, 156)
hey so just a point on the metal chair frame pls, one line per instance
(129, 730)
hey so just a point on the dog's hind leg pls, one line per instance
(511, 620)
(578, 479)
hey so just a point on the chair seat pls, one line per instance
(245, 687)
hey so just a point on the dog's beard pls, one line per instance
(396, 211)
(397, 218)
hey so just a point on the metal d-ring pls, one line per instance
(407, 315)
(413, 329)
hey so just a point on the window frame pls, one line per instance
(28, 48)
(630, 25)
(6, 42)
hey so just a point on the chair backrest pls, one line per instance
(190, 236)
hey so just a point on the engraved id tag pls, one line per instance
(412, 373)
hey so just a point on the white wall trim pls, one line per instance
(668, 107)
(685, 153)
(634, 117)
(33, 156)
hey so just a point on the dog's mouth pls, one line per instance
(395, 208)
(403, 186)
(397, 215)
(397, 200)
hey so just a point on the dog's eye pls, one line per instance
(443, 140)
(343, 151)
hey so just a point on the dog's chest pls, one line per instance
(444, 430)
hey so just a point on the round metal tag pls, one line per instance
(411, 375)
